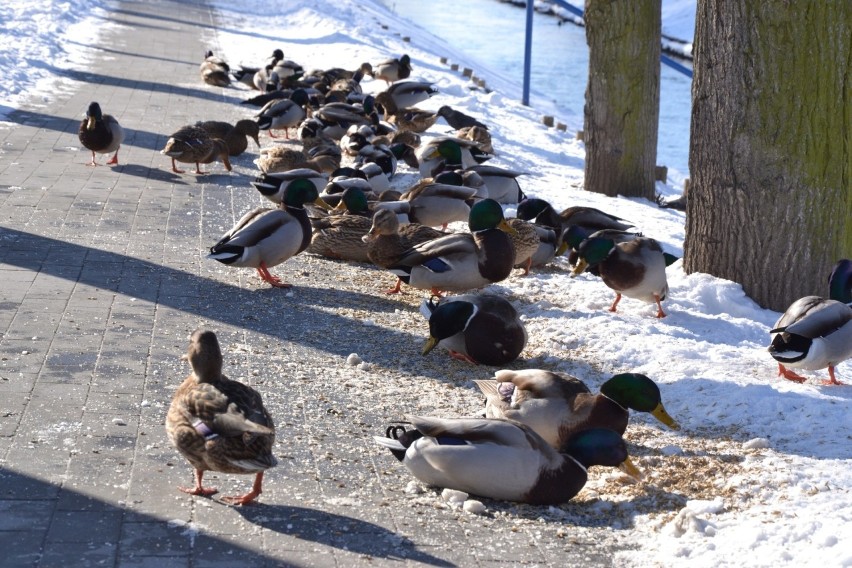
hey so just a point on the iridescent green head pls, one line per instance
(355, 200)
(301, 191)
(638, 392)
(446, 320)
(486, 214)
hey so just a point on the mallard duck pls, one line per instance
(816, 333)
(283, 113)
(394, 69)
(542, 213)
(481, 329)
(574, 235)
(636, 268)
(218, 424)
(557, 405)
(215, 71)
(445, 153)
(264, 238)
(481, 136)
(235, 136)
(457, 119)
(409, 92)
(283, 157)
(340, 237)
(191, 144)
(272, 184)
(387, 241)
(462, 261)
(409, 119)
(100, 133)
(437, 204)
(525, 242)
(501, 459)
(502, 184)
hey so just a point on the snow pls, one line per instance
(780, 490)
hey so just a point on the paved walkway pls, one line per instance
(104, 278)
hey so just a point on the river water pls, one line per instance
(492, 33)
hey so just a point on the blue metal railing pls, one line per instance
(665, 59)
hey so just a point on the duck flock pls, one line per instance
(328, 174)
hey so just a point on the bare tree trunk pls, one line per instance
(770, 202)
(623, 96)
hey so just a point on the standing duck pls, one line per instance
(636, 268)
(447, 153)
(480, 329)
(191, 144)
(100, 133)
(235, 136)
(557, 405)
(387, 241)
(462, 261)
(502, 459)
(394, 69)
(218, 424)
(264, 238)
(815, 332)
(283, 114)
(542, 213)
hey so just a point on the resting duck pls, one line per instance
(438, 204)
(408, 119)
(501, 459)
(409, 92)
(235, 135)
(100, 133)
(340, 237)
(462, 261)
(502, 184)
(283, 157)
(446, 153)
(264, 238)
(457, 119)
(191, 144)
(215, 71)
(636, 268)
(542, 213)
(557, 405)
(480, 329)
(391, 70)
(218, 424)
(387, 241)
(816, 333)
(283, 114)
(272, 184)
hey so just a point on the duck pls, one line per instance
(408, 92)
(502, 184)
(218, 424)
(409, 119)
(100, 133)
(235, 135)
(438, 204)
(480, 136)
(457, 119)
(337, 117)
(501, 459)
(542, 213)
(272, 184)
(574, 235)
(447, 153)
(558, 405)
(815, 332)
(283, 157)
(462, 261)
(483, 329)
(340, 237)
(636, 268)
(283, 114)
(387, 240)
(526, 242)
(191, 144)
(265, 237)
(215, 71)
(393, 69)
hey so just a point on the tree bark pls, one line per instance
(770, 202)
(623, 96)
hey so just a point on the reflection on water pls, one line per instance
(493, 33)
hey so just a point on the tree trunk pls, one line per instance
(770, 202)
(623, 96)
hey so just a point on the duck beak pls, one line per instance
(660, 414)
(339, 207)
(504, 226)
(562, 248)
(319, 202)
(90, 123)
(581, 266)
(430, 345)
(627, 467)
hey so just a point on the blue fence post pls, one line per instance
(525, 100)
